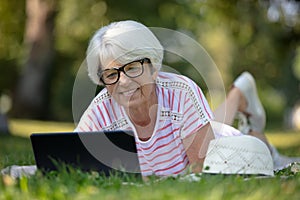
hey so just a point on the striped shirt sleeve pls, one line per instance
(197, 112)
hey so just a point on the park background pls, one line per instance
(43, 44)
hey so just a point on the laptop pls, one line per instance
(107, 152)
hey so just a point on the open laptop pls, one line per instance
(106, 152)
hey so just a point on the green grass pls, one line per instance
(81, 185)
(15, 150)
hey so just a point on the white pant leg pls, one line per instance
(224, 130)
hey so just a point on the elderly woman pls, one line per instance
(168, 113)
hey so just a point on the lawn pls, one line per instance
(15, 149)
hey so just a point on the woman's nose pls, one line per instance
(124, 79)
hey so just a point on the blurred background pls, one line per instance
(43, 43)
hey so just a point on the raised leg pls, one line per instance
(228, 110)
(242, 99)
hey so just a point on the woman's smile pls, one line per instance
(129, 93)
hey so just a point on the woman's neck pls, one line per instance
(144, 117)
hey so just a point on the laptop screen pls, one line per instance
(106, 152)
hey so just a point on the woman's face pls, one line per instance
(133, 92)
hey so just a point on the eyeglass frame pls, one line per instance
(121, 69)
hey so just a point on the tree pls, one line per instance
(31, 98)
(239, 35)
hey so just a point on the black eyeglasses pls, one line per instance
(132, 70)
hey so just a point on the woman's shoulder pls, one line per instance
(172, 77)
(102, 96)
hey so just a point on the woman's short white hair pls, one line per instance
(122, 42)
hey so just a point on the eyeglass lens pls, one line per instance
(132, 70)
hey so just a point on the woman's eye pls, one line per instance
(132, 67)
(111, 75)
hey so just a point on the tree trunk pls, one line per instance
(31, 99)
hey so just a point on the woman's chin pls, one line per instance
(130, 101)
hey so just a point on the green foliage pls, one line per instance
(11, 46)
(238, 35)
(12, 24)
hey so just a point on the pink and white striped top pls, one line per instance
(182, 110)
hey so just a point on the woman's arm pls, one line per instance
(196, 146)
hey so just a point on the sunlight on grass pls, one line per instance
(284, 139)
(24, 127)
